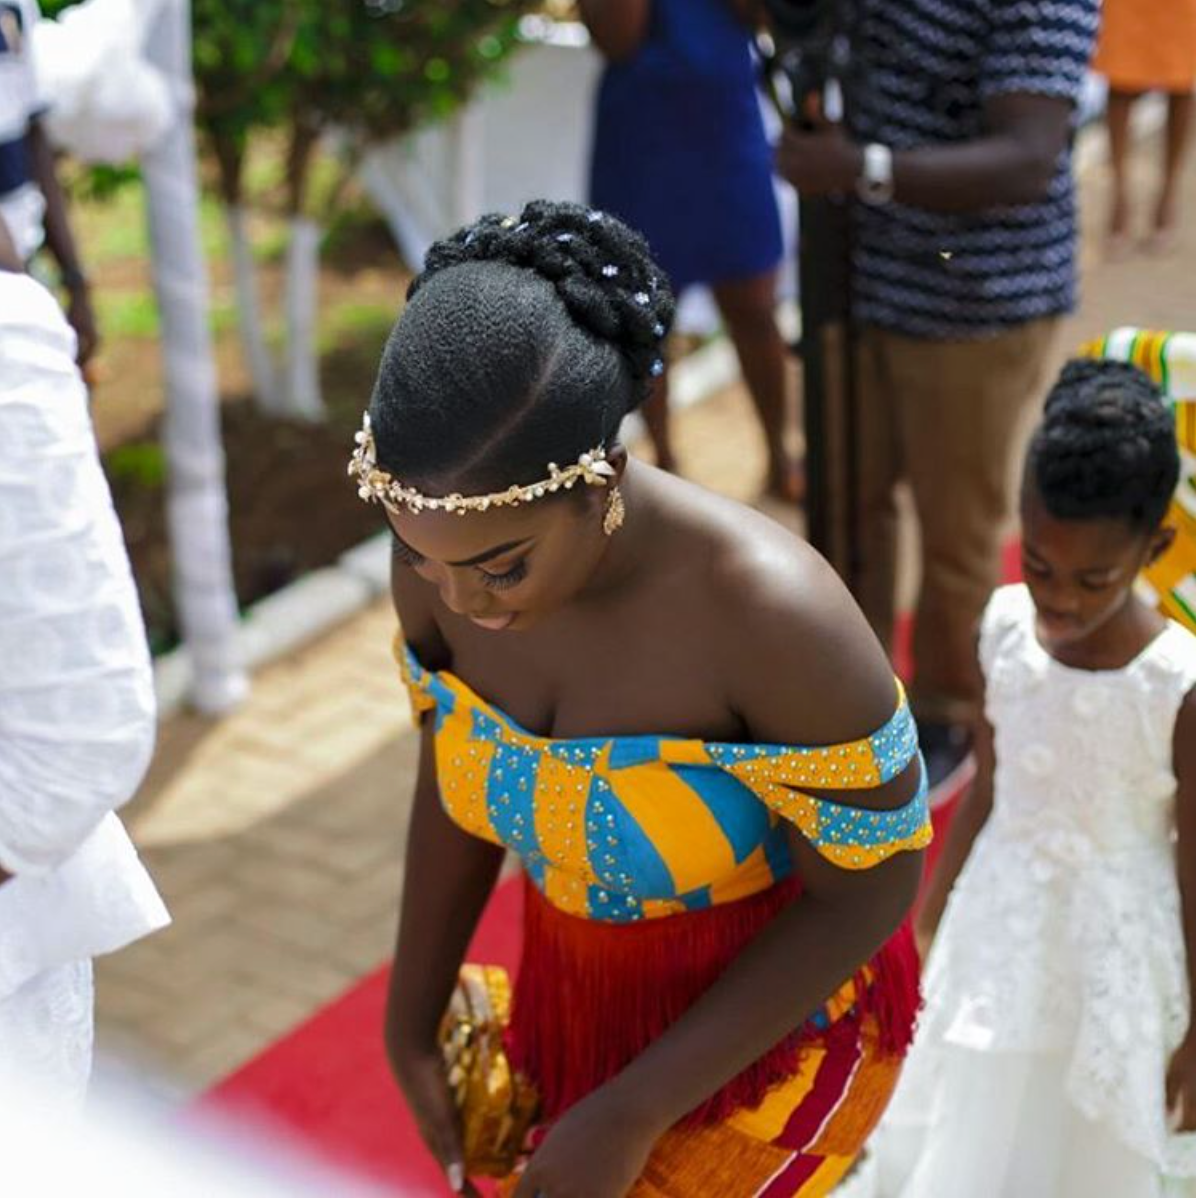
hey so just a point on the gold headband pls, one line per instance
(376, 486)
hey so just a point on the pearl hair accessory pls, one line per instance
(377, 486)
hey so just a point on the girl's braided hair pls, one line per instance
(1106, 446)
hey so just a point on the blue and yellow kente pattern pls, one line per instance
(638, 827)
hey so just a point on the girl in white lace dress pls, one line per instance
(1056, 1056)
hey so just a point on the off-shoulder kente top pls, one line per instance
(625, 828)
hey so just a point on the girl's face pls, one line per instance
(507, 568)
(1080, 573)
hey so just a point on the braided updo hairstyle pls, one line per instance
(526, 341)
(1106, 446)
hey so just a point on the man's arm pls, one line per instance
(753, 13)
(1012, 162)
(78, 724)
(10, 260)
(61, 242)
(617, 27)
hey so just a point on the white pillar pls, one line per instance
(301, 375)
(249, 310)
(197, 507)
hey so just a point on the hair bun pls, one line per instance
(1106, 445)
(602, 270)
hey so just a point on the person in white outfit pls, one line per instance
(1056, 1055)
(77, 716)
(32, 203)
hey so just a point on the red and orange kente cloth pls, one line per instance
(651, 861)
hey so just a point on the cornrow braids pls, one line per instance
(526, 340)
(1106, 446)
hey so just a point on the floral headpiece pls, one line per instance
(377, 486)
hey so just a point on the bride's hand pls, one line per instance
(597, 1150)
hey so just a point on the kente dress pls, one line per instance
(1057, 988)
(651, 861)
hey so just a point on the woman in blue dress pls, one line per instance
(681, 155)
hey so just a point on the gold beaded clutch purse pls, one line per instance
(497, 1105)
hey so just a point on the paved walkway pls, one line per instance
(276, 834)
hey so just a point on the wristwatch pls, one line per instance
(875, 183)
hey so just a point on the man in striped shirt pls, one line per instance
(958, 151)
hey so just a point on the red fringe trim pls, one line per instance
(591, 996)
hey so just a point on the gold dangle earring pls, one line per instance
(615, 513)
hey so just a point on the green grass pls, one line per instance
(142, 463)
(116, 229)
(270, 243)
(352, 322)
(134, 314)
(127, 313)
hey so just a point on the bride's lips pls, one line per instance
(495, 623)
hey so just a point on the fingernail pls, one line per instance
(456, 1177)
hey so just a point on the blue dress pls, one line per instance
(679, 147)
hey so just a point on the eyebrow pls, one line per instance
(488, 555)
(1030, 552)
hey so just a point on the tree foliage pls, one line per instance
(366, 69)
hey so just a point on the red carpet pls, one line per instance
(327, 1083)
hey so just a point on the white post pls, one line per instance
(399, 189)
(302, 397)
(249, 310)
(197, 507)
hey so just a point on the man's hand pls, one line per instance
(818, 162)
(9, 258)
(82, 317)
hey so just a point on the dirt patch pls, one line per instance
(291, 508)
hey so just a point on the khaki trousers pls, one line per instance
(946, 416)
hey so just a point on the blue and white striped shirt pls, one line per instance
(928, 67)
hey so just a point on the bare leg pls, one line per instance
(655, 411)
(747, 308)
(1117, 117)
(1179, 127)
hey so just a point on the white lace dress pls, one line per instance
(76, 707)
(1057, 988)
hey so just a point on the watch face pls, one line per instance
(876, 181)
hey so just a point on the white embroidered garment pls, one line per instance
(76, 691)
(1059, 967)
(46, 1037)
